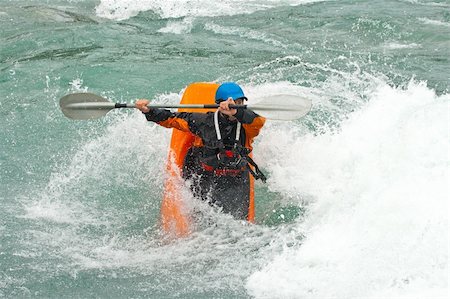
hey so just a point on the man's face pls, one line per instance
(236, 102)
(239, 101)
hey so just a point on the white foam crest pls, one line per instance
(378, 191)
(397, 45)
(245, 33)
(434, 22)
(57, 212)
(124, 9)
(77, 85)
(427, 3)
(178, 27)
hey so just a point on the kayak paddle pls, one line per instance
(278, 107)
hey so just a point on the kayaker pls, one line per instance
(218, 164)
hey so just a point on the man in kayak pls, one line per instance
(218, 163)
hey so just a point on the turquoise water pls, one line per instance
(357, 197)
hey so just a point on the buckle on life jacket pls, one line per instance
(229, 153)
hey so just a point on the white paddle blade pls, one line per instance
(282, 107)
(84, 106)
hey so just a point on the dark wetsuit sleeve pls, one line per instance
(183, 121)
(251, 122)
(157, 115)
(245, 116)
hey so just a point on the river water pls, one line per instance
(356, 202)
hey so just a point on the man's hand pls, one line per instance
(225, 109)
(142, 105)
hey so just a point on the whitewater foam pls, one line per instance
(397, 45)
(434, 22)
(178, 27)
(124, 9)
(244, 32)
(377, 223)
(64, 200)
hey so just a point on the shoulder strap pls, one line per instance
(216, 126)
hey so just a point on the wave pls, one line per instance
(397, 45)
(245, 33)
(120, 9)
(377, 223)
(434, 22)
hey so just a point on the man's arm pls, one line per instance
(183, 121)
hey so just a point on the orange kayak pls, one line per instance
(175, 220)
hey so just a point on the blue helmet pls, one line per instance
(229, 90)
